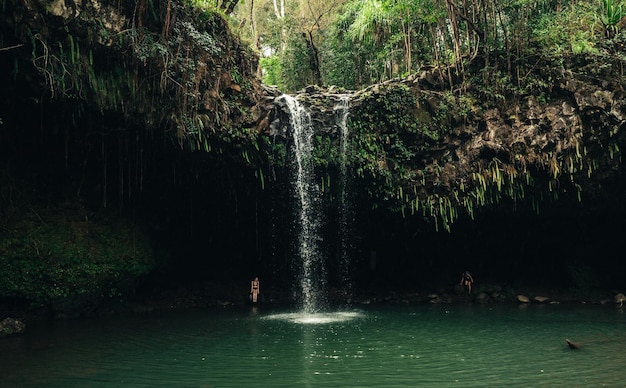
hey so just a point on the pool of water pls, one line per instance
(408, 346)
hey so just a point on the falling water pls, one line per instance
(345, 208)
(313, 274)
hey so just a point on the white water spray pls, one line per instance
(313, 275)
(342, 109)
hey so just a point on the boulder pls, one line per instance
(433, 298)
(10, 326)
(572, 345)
(523, 299)
(620, 298)
(541, 299)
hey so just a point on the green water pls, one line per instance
(409, 346)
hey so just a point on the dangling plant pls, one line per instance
(613, 12)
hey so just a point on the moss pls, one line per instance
(45, 258)
(171, 72)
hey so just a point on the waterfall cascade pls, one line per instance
(342, 109)
(312, 277)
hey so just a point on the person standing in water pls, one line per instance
(255, 289)
(466, 281)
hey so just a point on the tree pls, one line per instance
(354, 43)
(293, 33)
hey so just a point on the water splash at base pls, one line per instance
(317, 318)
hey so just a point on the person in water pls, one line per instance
(255, 289)
(466, 281)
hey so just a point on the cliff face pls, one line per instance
(439, 153)
(162, 65)
(530, 188)
(152, 110)
(111, 110)
(177, 72)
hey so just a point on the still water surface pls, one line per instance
(409, 346)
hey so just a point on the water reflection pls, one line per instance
(391, 346)
(316, 318)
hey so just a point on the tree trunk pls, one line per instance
(314, 62)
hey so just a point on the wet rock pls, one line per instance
(572, 345)
(500, 296)
(433, 298)
(523, 299)
(541, 299)
(10, 326)
(483, 298)
(620, 298)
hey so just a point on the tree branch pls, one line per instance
(11, 47)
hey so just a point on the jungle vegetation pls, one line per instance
(151, 114)
(491, 46)
(481, 53)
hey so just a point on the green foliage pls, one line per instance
(385, 130)
(404, 160)
(366, 42)
(343, 61)
(566, 33)
(45, 263)
(272, 70)
(295, 65)
(325, 152)
(369, 15)
(167, 71)
(204, 4)
(612, 12)
(202, 39)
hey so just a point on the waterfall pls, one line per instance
(313, 274)
(345, 208)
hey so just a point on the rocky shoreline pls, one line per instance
(219, 296)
